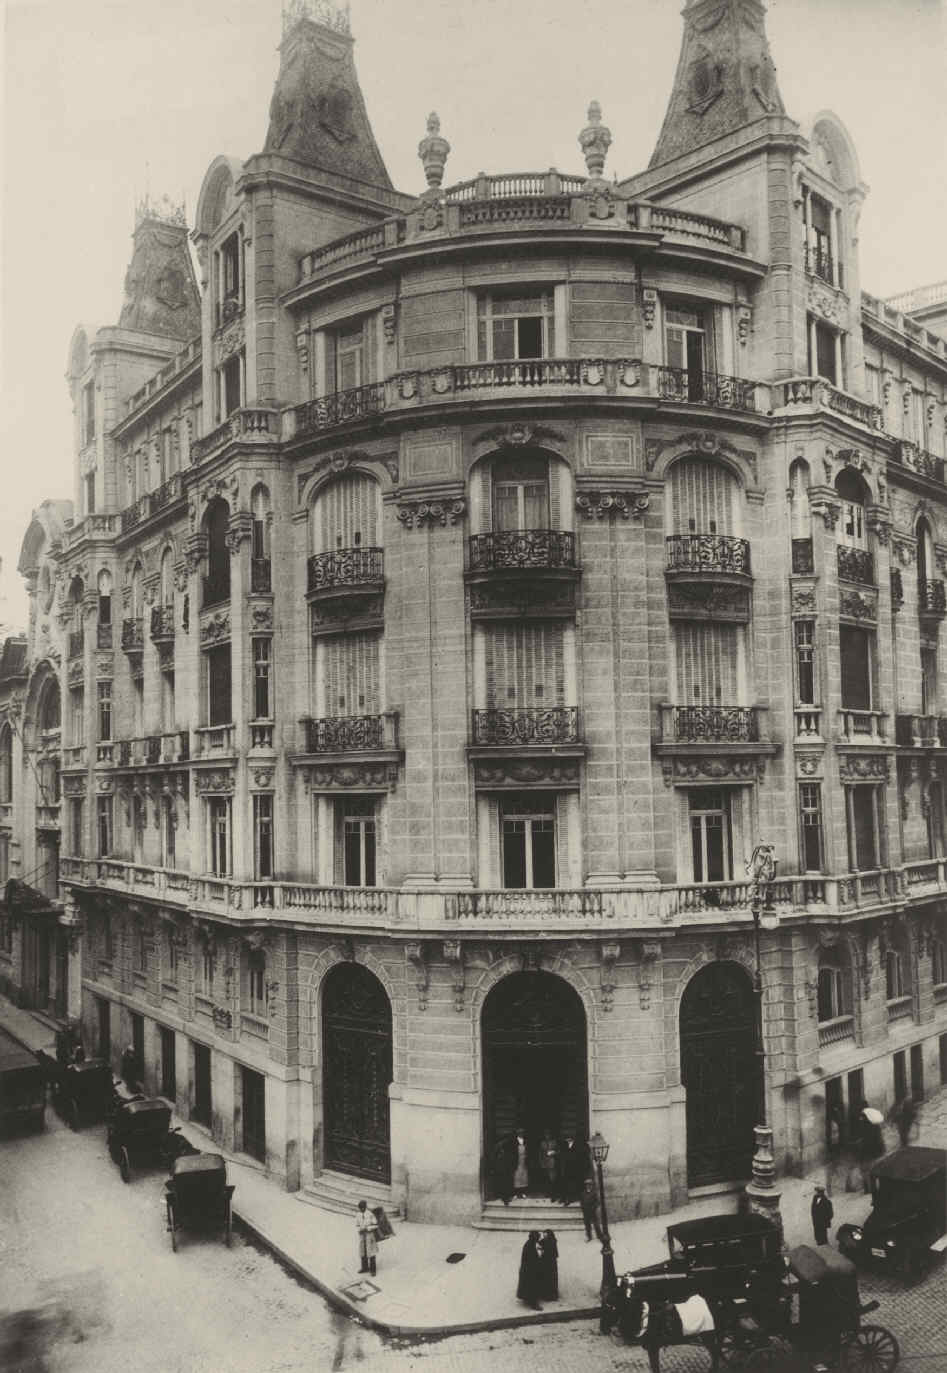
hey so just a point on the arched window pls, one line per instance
(346, 514)
(136, 596)
(853, 532)
(260, 577)
(930, 592)
(167, 578)
(76, 592)
(897, 973)
(521, 494)
(800, 518)
(104, 628)
(49, 713)
(703, 498)
(217, 581)
(6, 765)
(835, 987)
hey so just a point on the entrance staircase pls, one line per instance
(530, 1213)
(340, 1192)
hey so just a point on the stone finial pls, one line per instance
(433, 151)
(595, 140)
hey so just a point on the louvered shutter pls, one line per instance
(348, 514)
(350, 675)
(330, 365)
(701, 498)
(525, 666)
(706, 664)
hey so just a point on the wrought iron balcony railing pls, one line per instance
(820, 263)
(132, 635)
(802, 555)
(346, 567)
(345, 734)
(931, 599)
(715, 724)
(856, 565)
(162, 622)
(522, 548)
(707, 553)
(77, 642)
(541, 725)
(325, 412)
(704, 388)
(261, 580)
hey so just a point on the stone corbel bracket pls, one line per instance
(649, 951)
(599, 505)
(609, 955)
(454, 958)
(416, 954)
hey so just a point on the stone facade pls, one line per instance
(441, 629)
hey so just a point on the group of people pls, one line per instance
(539, 1269)
(555, 1167)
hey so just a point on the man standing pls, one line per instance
(573, 1166)
(589, 1203)
(366, 1225)
(822, 1213)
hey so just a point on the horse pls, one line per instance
(660, 1322)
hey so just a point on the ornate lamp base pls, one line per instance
(763, 1196)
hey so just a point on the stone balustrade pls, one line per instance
(816, 393)
(862, 726)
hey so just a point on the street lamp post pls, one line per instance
(599, 1148)
(762, 1194)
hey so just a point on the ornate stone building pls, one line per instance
(460, 585)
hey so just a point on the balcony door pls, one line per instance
(710, 832)
(528, 842)
(521, 495)
(346, 514)
(358, 841)
(347, 673)
(688, 347)
(703, 498)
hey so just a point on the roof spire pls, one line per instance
(433, 151)
(595, 141)
(725, 76)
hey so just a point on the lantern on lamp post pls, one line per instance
(598, 1147)
(762, 1193)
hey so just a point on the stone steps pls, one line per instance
(341, 1193)
(531, 1213)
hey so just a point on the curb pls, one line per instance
(416, 1332)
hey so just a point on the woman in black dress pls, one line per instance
(529, 1288)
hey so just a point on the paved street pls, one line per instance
(90, 1285)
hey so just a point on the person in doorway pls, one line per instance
(530, 1283)
(549, 1289)
(549, 1163)
(511, 1166)
(573, 1167)
(822, 1212)
(365, 1224)
(589, 1203)
(520, 1160)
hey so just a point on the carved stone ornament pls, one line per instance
(698, 441)
(904, 549)
(744, 320)
(823, 301)
(518, 435)
(829, 510)
(272, 994)
(214, 780)
(302, 348)
(803, 600)
(389, 322)
(427, 514)
(231, 340)
(595, 140)
(857, 605)
(879, 522)
(454, 958)
(216, 629)
(239, 531)
(416, 954)
(261, 616)
(76, 671)
(195, 551)
(738, 769)
(599, 505)
(527, 772)
(808, 765)
(609, 954)
(262, 777)
(649, 951)
(345, 776)
(855, 767)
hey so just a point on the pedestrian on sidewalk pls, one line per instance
(822, 1213)
(366, 1224)
(589, 1203)
(549, 1291)
(530, 1283)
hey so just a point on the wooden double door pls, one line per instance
(356, 1045)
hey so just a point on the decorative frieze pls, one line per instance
(599, 505)
(717, 769)
(519, 435)
(858, 605)
(345, 776)
(859, 767)
(427, 514)
(499, 773)
(214, 780)
(216, 628)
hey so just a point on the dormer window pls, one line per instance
(520, 325)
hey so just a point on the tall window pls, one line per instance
(810, 815)
(88, 485)
(528, 842)
(138, 826)
(804, 634)
(521, 494)
(262, 836)
(50, 711)
(518, 325)
(206, 968)
(348, 675)
(928, 681)
(230, 386)
(865, 832)
(260, 579)
(103, 822)
(104, 627)
(75, 825)
(688, 346)
(939, 956)
(172, 955)
(897, 977)
(6, 765)
(218, 822)
(254, 982)
(76, 716)
(711, 847)
(358, 841)
(834, 988)
(217, 581)
(230, 278)
(219, 695)
(350, 355)
(707, 661)
(856, 652)
(525, 666)
(346, 514)
(88, 412)
(261, 679)
(823, 353)
(819, 245)
(168, 832)
(167, 702)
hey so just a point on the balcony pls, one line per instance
(532, 727)
(802, 556)
(862, 726)
(715, 724)
(817, 393)
(261, 734)
(713, 556)
(820, 263)
(703, 388)
(345, 585)
(917, 731)
(931, 602)
(340, 407)
(910, 455)
(808, 722)
(76, 642)
(345, 734)
(261, 581)
(151, 503)
(835, 1030)
(215, 739)
(152, 750)
(253, 428)
(132, 635)
(162, 623)
(900, 1008)
(856, 565)
(514, 573)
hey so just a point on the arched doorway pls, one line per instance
(719, 1071)
(534, 1061)
(356, 1044)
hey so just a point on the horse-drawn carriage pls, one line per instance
(197, 1195)
(82, 1092)
(728, 1287)
(140, 1132)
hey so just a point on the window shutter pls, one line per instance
(522, 658)
(706, 664)
(701, 498)
(348, 514)
(370, 349)
(331, 382)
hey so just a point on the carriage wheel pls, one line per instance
(73, 1111)
(872, 1349)
(124, 1166)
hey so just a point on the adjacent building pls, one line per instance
(457, 588)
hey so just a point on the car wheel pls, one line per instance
(872, 1349)
(124, 1166)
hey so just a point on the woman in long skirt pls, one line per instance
(529, 1287)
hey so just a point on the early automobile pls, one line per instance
(22, 1088)
(726, 1257)
(197, 1196)
(906, 1227)
(140, 1133)
(83, 1093)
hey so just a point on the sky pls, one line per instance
(104, 99)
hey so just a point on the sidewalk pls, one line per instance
(417, 1292)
